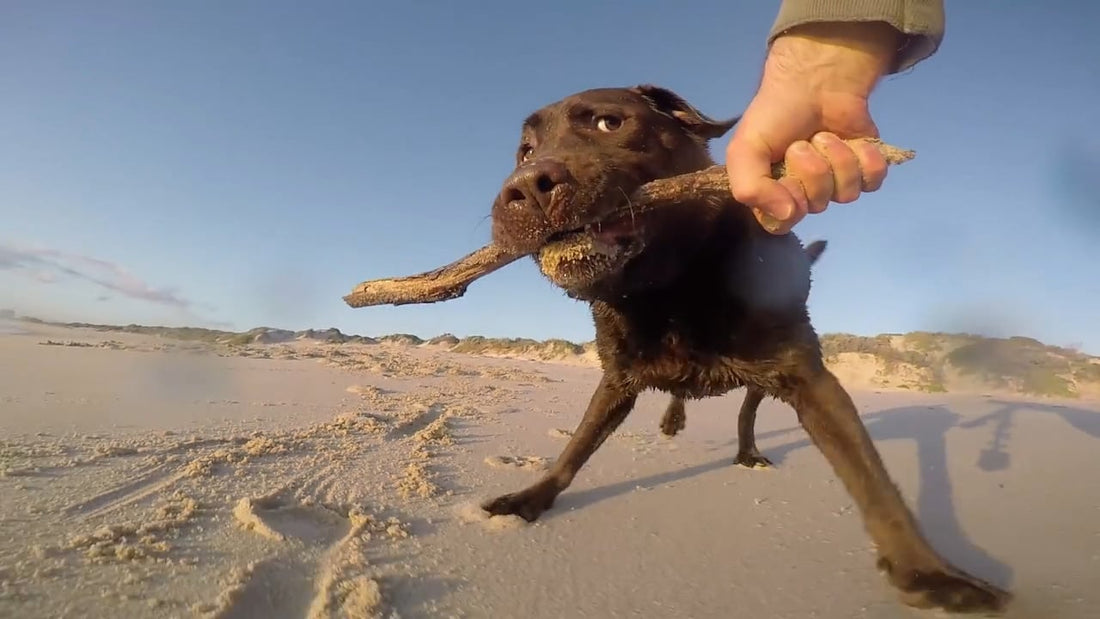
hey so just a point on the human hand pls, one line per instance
(813, 94)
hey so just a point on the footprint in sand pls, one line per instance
(287, 521)
(528, 463)
(322, 571)
(319, 570)
(368, 390)
(560, 433)
(472, 513)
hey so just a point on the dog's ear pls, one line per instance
(671, 104)
(815, 249)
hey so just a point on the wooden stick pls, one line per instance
(450, 281)
(713, 182)
(442, 284)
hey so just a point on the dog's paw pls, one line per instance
(528, 504)
(752, 459)
(945, 588)
(671, 424)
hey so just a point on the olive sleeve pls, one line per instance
(921, 21)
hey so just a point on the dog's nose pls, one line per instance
(533, 182)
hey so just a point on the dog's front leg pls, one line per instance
(609, 406)
(922, 577)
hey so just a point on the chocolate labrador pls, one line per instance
(694, 301)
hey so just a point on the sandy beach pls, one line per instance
(145, 477)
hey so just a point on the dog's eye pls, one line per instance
(608, 124)
(525, 152)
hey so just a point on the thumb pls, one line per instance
(748, 164)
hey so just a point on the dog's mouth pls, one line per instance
(618, 231)
(582, 256)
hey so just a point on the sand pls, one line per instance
(142, 477)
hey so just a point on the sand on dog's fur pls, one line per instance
(148, 479)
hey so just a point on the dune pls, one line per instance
(313, 474)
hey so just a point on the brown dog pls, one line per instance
(694, 301)
(675, 417)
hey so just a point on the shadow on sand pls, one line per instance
(927, 426)
(995, 457)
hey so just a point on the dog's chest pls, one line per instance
(693, 342)
(675, 366)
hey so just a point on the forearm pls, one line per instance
(921, 22)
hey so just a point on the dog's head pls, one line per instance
(578, 160)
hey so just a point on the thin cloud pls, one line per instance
(45, 277)
(47, 266)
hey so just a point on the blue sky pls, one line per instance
(247, 163)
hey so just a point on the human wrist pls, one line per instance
(846, 57)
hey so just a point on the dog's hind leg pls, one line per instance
(675, 418)
(609, 406)
(922, 577)
(747, 453)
